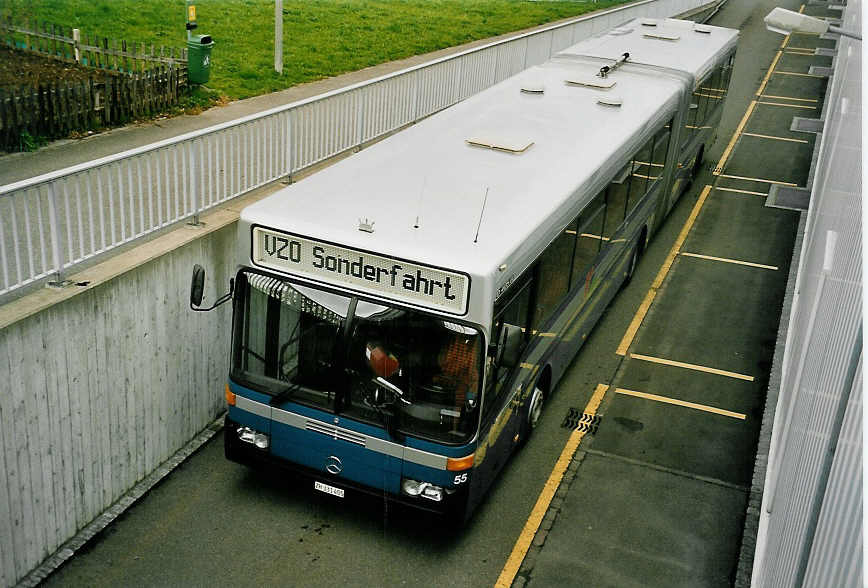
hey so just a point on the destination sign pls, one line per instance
(397, 279)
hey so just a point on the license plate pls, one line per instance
(339, 492)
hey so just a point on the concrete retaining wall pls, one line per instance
(100, 389)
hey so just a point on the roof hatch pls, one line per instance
(662, 36)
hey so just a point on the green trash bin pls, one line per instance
(199, 59)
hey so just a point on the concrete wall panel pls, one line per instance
(101, 389)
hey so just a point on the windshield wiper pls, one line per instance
(398, 393)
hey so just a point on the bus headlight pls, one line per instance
(256, 438)
(423, 489)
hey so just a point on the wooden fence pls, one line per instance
(135, 82)
(61, 108)
(62, 42)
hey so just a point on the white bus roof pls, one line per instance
(665, 42)
(430, 171)
(429, 189)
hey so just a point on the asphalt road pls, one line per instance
(659, 493)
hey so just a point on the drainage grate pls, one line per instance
(582, 421)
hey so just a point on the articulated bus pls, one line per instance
(401, 318)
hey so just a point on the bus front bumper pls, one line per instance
(453, 505)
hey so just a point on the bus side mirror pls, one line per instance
(197, 286)
(511, 339)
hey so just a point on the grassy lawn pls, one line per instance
(321, 38)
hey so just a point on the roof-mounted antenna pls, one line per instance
(419, 204)
(607, 69)
(481, 212)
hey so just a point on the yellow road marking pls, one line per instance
(770, 70)
(527, 366)
(510, 569)
(756, 180)
(788, 98)
(661, 275)
(636, 322)
(795, 73)
(775, 138)
(735, 261)
(735, 135)
(788, 105)
(692, 366)
(664, 399)
(741, 191)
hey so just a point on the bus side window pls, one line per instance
(690, 121)
(658, 156)
(553, 277)
(589, 235)
(698, 112)
(700, 97)
(727, 74)
(515, 313)
(616, 201)
(641, 173)
(709, 89)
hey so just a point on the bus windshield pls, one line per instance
(410, 372)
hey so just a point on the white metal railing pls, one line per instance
(53, 222)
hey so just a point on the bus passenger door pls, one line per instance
(502, 410)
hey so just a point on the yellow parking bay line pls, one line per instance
(666, 400)
(773, 137)
(510, 569)
(795, 73)
(728, 260)
(787, 105)
(692, 366)
(731, 177)
(736, 190)
(789, 98)
(661, 275)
